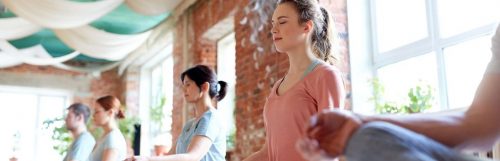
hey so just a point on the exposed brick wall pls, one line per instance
(183, 39)
(130, 90)
(206, 53)
(338, 10)
(25, 68)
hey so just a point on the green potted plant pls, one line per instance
(60, 134)
(420, 99)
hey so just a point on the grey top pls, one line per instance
(113, 140)
(210, 125)
(81, 148)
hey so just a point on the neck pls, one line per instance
(300, 58)
(202, 105)
(111, 125)
(79, 130)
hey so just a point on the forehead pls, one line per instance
(187, 79)
(70, 111)
(285, 9)
(98, 106)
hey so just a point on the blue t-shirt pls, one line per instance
(81, 148)
(210, 125)
(113, 140)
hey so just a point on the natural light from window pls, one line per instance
(465, 65)
(22, 133)
(226, 71)
(444, 44)
(460, 16)
(399, 23)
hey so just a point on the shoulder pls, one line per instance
(211, 115)
(115, 136)
(324, 72)
(86, 136)
(324, 68)
(211, 119)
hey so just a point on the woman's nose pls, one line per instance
(274, 30)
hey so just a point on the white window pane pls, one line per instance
(398, 78)
(399, 22)
(460, 16)
(168, 69)
(465, 65)
(161, 103)
(50, 107)
(19, 118)
(226, 71)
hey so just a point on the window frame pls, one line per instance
(366, 66)
(39, 93)
(156, 60)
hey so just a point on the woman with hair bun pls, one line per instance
(203, 138)
(111, 146)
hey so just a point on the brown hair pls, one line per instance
(322, 40)
(111, 102)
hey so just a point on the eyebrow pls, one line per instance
(280, 17)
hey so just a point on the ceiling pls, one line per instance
(121, 20)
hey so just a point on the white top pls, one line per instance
(113, 140)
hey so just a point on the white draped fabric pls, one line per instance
(151, 7)
(42, 57)
(7, 61)
(70, 22)
(60, 14)
(35, 55)
(100, 44)
(15, 28)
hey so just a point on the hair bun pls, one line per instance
(120, 114)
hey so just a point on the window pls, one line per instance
(405, 27)
(444, 44)
(161, 102)
(156, 99)
(401, 76)
(226, 71)
(462, 73)
(25, 110)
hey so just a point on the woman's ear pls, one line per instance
(110, 113)
(205, 87)
(308, 26)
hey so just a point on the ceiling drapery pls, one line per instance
(15, 28)
(70, 22)
(100, 44)
(60, 14)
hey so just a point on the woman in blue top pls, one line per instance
(203, 137)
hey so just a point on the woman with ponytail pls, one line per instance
(111, 146)
(203, 137)
(301, 29)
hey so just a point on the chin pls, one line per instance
(280, 48)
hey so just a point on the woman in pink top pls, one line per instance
(301, 29)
